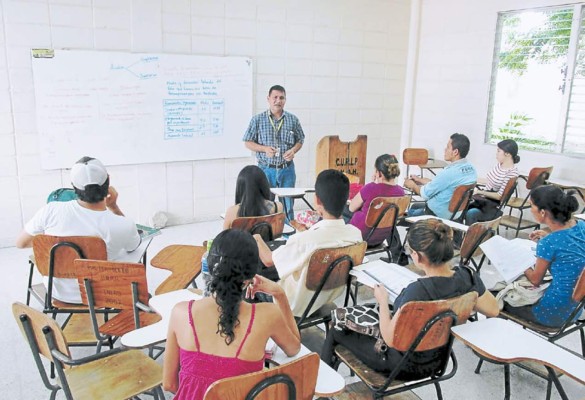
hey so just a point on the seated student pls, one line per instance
(439, 191)
(431, 247)
(253, 198)
(483, 208)
(94, 213)
(386, 170)
(222, 336)
(562, 252)
(291, 260)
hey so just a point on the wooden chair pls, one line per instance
(328, 270)
(477, 233)
(294, 381)
(383, 213)
(459, 202)
(184, 262)
(268, 226)
(53, 258)
(352, 178)
(114, 374)
(414, 156)
(417, 326)
(119, 286)
(536, 177)
(575, 322)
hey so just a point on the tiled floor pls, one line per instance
(19, 378)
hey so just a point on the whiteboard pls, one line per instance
(131, 108)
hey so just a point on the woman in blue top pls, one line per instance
(562, 251)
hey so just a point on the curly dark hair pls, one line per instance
(252, 192)
(233, 258)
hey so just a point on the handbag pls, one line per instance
(483, 203)
(522, 292)
(363, 319)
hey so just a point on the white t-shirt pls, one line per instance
(71, 219)
(292, 261)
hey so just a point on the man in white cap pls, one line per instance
(94, 213)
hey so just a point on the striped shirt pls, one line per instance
(281, 134)
(498, 177)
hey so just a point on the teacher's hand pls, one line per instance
(270, 151)
(289, 155)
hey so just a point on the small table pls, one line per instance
(139, 254)
(329, 381)
(292, 193)
(431, 165)
(504, 341)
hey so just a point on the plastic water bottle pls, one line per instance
(205, 268)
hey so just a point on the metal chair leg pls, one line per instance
(553, 377)
(438, 389)
(479, 364)
(507, 381)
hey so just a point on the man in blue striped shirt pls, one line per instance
(276, 136)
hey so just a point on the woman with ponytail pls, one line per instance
(221, 335)
(431, 247)
(562, 252)
(486, 201)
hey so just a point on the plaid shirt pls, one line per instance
(262, 131)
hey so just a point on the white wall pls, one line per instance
(341, 61)
(455, 52)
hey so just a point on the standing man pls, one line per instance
(438, 191)
(276, 136)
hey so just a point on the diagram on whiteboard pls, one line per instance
(130, 108)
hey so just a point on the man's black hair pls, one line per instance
(278, 88)
(332, 189)
(460, 142)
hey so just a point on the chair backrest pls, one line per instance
(258, 385)
(579, 290)
(383, 211)
(415, 156)
(57, 253)
(268, 226)
(538, 176)
(461, 199)
(322, 259)
(412, 317)
(31, 323)
(508, 192)
(112, 282)
(477, 233)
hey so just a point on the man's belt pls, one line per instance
(277, 166)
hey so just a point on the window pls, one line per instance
(537, 93)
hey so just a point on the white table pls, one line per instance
(507, 342)
(292, 193)
(452, 224)
(138, 255)
(393, 276)
(329, 381)
(579, 216)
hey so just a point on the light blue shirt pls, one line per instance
(439, 191)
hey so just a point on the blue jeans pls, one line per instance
(417, 209)
(282, 178)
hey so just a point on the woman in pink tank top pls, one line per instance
(222, 336)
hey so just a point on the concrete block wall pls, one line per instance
(341, 61)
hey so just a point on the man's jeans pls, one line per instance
(282, 178)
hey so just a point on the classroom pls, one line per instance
(405, 73)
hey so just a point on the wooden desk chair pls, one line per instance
(575, 322)
(114, 374)
(268, 226)
(536, 177)
(417, 326)
(184, 262)
(328, 270)
(352, 178)
(477, 233)
(294, 381)
(119, 286)
(381, 219)
(459, 202)
(414, 156)
(53, 258)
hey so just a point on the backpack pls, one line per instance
(62, 194)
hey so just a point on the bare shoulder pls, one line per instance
(268, 311)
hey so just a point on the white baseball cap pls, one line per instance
(90, 172)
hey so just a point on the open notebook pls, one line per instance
(510, 257)
(392, 276)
